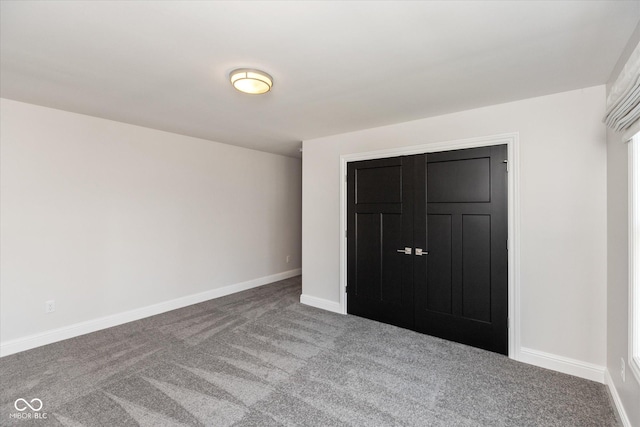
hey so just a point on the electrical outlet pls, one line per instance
(622, 369)
(288, 258)
(50, 306)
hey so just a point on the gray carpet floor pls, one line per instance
(260, 358)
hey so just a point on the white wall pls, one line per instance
(106, 217)
(628, 392)
(563, 211)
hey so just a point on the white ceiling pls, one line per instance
(337, 66)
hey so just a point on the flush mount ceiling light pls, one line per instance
(251, 81)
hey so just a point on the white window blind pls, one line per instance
(623, 103)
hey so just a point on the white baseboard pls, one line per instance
(562, 364)
(321, 303)
(616, 399)
(77, 329)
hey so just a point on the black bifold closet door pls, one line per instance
(427, 244)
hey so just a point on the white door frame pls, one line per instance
(511, 140)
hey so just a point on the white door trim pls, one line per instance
(511, 140)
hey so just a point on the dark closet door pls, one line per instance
(461, 285)
(380, 227)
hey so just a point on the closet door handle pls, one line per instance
(420, 252)
(406, 251)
